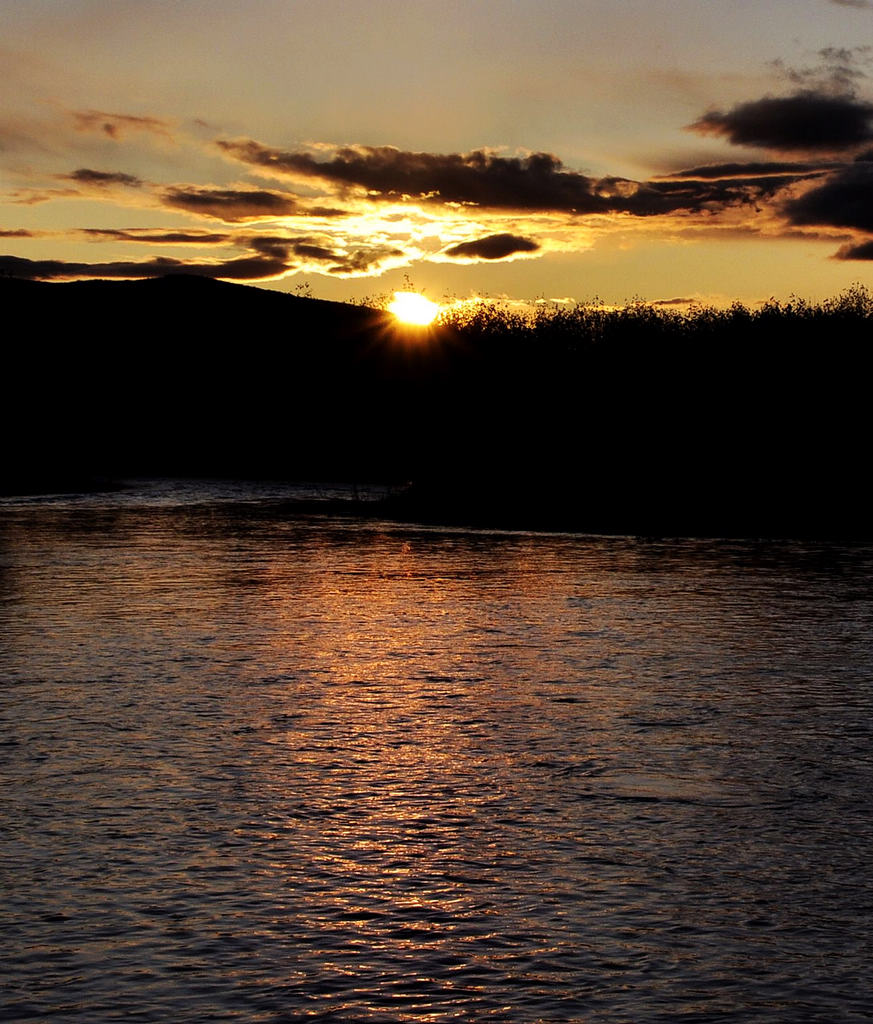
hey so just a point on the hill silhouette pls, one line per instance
(180, 375)
(634, 420)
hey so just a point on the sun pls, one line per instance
(412, 308)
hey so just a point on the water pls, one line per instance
(255, 768)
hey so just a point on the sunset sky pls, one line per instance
(661, 149)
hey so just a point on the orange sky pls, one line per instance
(557, 149)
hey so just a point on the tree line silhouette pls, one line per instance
(642, 418)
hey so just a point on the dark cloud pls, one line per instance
(18, 233)
(863, 251)
(245, 269)
(851, 3)
(363, 259)
(537, 181)
(324, 211)
(269, 256)
(844, 201)
(230, 204)
(806, 121)
(314, 252)
(157, 237)
(279, 246)
(480, 178)
(703, 195)
(85, 176)
(117, 125)
(492, 247)
(275, 246)
(752, 170)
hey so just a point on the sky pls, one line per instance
(665, 150)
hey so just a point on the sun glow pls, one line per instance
(412, 308)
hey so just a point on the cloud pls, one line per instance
(533, 182)
(702, 195)
(851, 3)
(32, 197)
(364, 260)
(836, 73)
(863, 251)
(18, 233)
(230, 204)
(247, 268)
(88, 182)
(806, 121)
(482, 179)
(317, 254)
(834, 195)
(360, 210)
(86, 176)
(156, 237)
(752, 170)
(844, 201)
(276, 246)
(117, 125)
(279, 246)
(492, 247)
(324, 211)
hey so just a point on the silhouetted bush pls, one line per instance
(637, 417)
(640, 325)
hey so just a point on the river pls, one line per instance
(264, 767)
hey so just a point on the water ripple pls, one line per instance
(261, 769)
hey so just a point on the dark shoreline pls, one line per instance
(729, 422)
(417, 506)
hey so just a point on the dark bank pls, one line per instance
(636, 420)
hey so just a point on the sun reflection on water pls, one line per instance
(364, 770)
